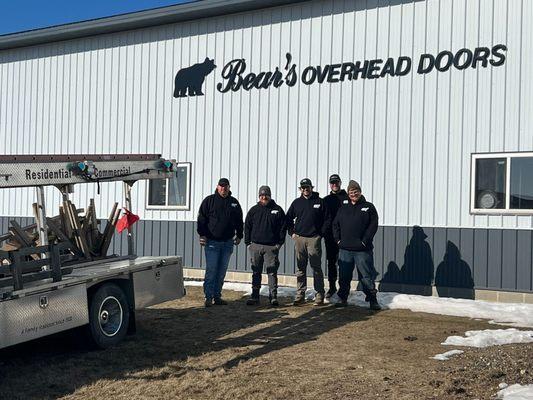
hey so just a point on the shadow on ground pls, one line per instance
(167, 336)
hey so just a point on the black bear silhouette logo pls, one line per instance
(189, 81)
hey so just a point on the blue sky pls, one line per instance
(23, 15)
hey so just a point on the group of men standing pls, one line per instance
(344, 218)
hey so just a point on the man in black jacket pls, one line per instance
(334, 200)
(307, 220)
(264, 234)
(354, 228)
(220, 227)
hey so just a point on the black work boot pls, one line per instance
(273, 298)
(331, 291)
(254, 299)
(372, 299)
(219, 302)
(374, 305)
(208, 302)
(341, 304)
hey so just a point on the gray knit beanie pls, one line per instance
(265, 191)
(353, 185)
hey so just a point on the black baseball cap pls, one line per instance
(223, 182)
(306, 182)
(334, 178)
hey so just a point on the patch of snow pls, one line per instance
(516, 392)
(503, 385)
(194, 283)
(446, 356)
(490, 337)
(283, 291)
(513, 314)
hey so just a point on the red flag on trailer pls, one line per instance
(127, 220)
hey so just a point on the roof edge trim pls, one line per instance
(136, 20)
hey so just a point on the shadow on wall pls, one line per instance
(453, 277)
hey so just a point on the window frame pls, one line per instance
(501, 211)
(166, 207)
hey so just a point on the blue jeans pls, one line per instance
(364, 260)
(217, 255)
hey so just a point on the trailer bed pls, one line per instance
(44, 307)
(90, 272)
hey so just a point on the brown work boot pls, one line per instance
(319, 299)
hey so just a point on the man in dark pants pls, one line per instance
(334, 201)
(354, 228)
(220, 228)
(264, 234)
(307, 220)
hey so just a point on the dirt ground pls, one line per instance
(184, 351)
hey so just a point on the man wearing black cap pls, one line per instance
(354, 228)
(220, 227)
(334, 200)
(307, 220)
(264, 234)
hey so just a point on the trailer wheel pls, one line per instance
(108, 316)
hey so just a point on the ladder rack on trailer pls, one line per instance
(68, 283)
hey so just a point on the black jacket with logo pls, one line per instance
(308, 217)
(220, 218)
(265, 224)
(333, 202)
(355, 225)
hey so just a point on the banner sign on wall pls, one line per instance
(235, 75)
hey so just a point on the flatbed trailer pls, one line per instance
(99, 293)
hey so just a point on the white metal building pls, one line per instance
(428, 104)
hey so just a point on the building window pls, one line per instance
(502, 183)
(172, 193)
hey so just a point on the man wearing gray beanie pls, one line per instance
(264, 234)
(354, 228)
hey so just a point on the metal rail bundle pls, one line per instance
(46, 248)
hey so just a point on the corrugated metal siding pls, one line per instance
(497, 259)
(407, 140)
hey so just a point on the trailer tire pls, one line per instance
(109, 316)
